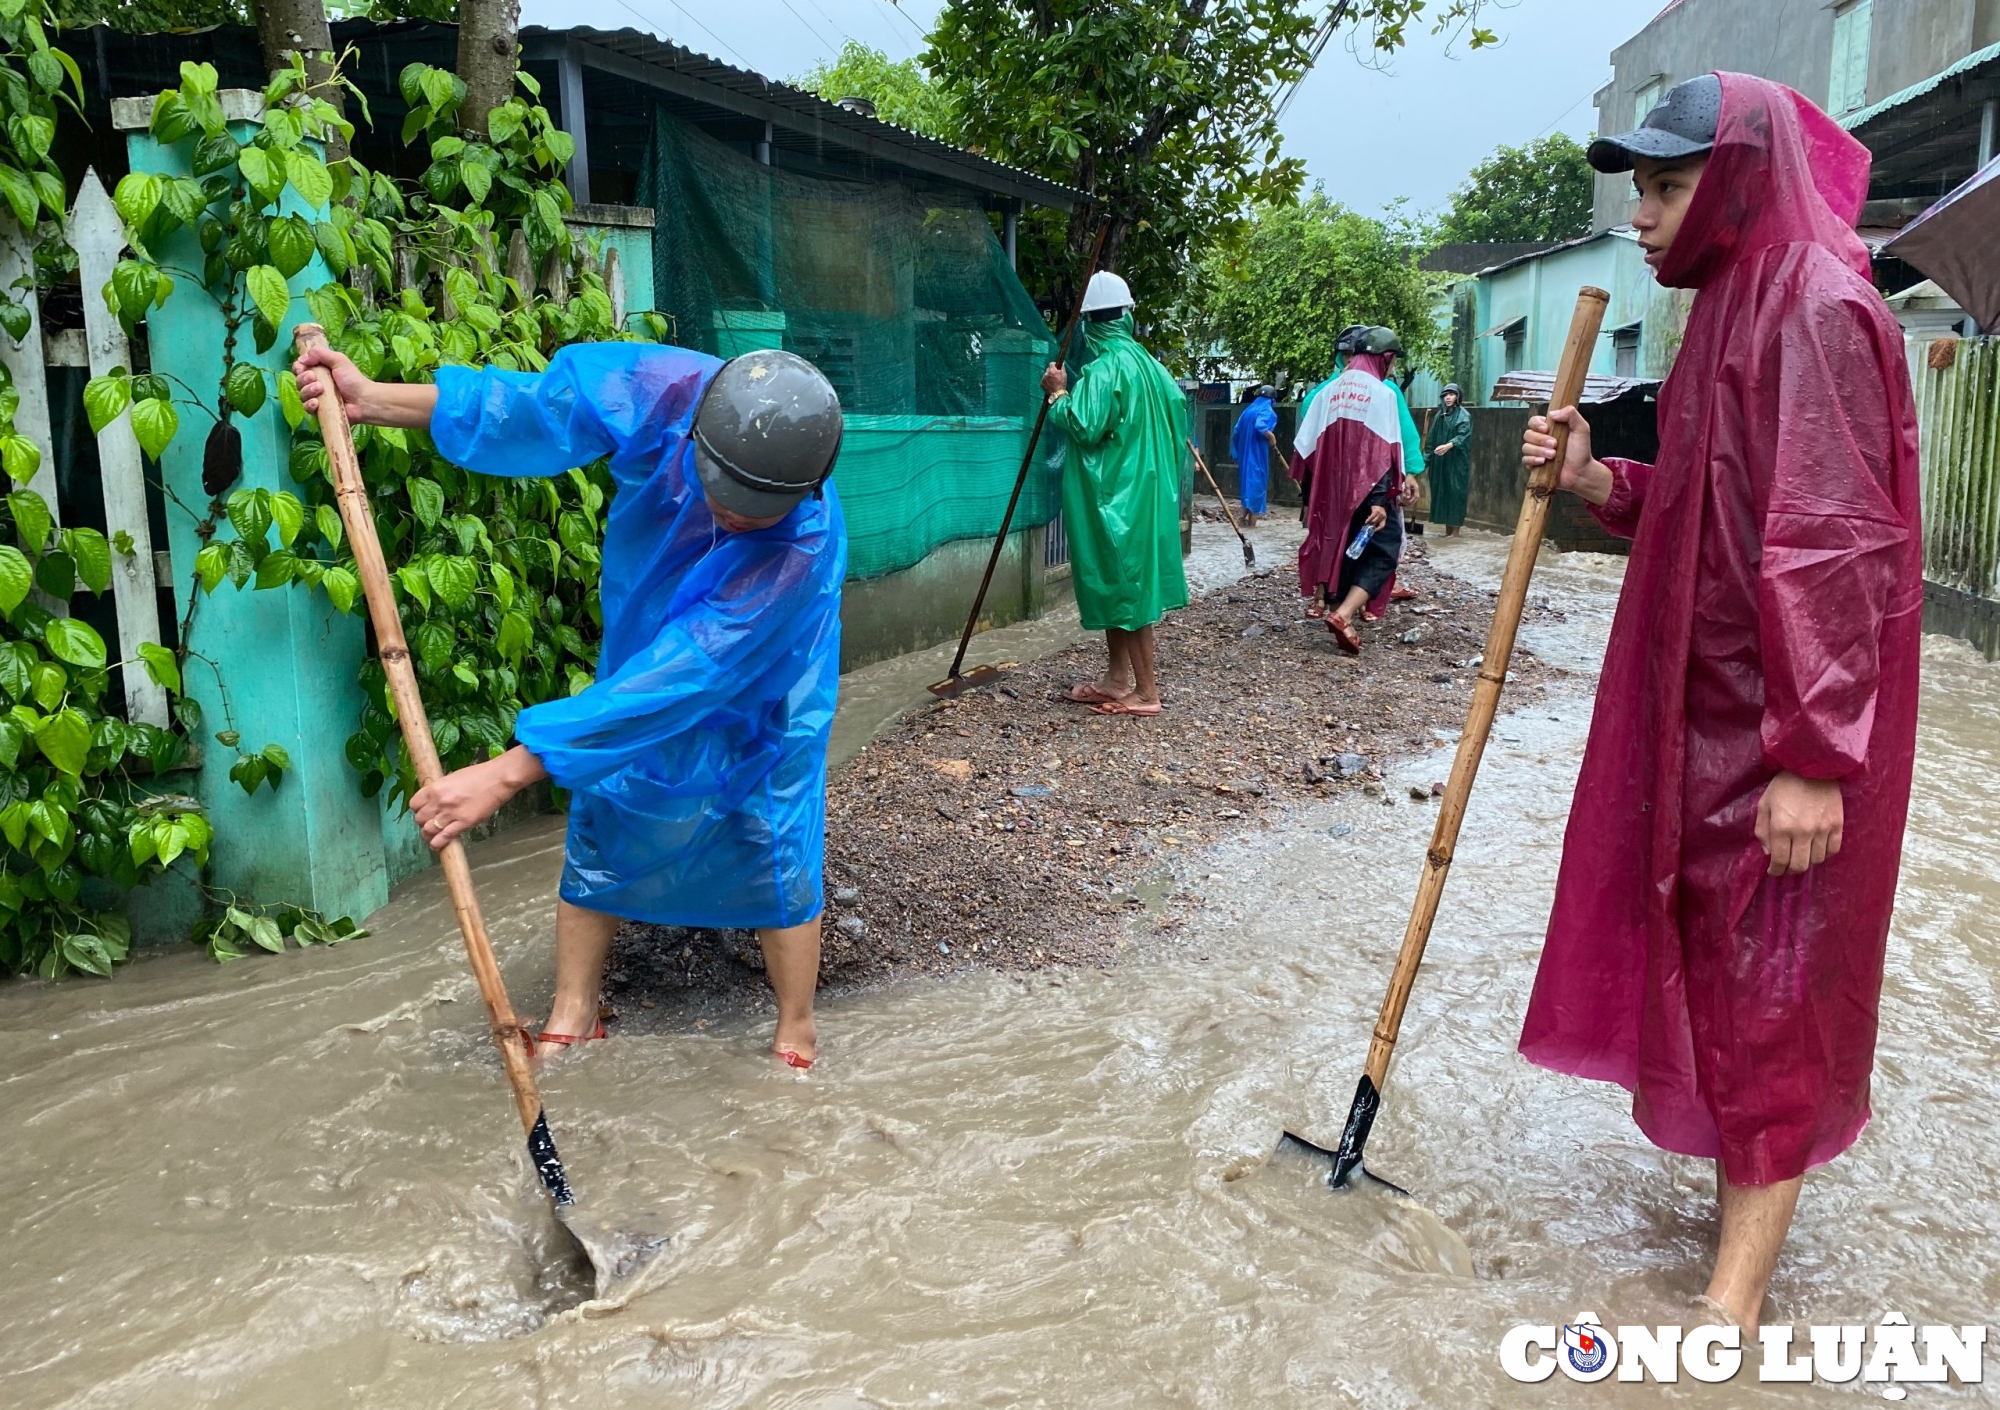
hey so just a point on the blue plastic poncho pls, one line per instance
(697, 761)
(1253, 454)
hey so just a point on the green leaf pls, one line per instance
(504, 121)
(32, 135)
(416, 582)
(328, 519)
(134, 286)
(250, 514)
(244, 386)
(309, 177)
(55, 574)
(213, 154)
(20, 194)
(75, 642)
(291, 244)
(478, 180)
(264, 931)
(268, 291)
(211, 564)
(503, 585)
(454, 578)
(16, 577)
(104, 397)
(279, 758)
(426, 501)
(183, 199)
(289, 515)
(137, 196)
(92, 552)
(276, 569)
(64, 739)
(17, 318)
(20, 457)
(335, 248)
(515, 635)
(48, 683)
(31, 519)
(289, 405)
(154, 422)
(341, 587)
(162, 666)
(261, 172)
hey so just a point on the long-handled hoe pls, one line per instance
(955, 684)
(618, 1256)
(1345, 1161)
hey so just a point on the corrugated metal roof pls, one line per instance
(646, 58)
(1621, 231)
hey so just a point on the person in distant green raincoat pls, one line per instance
(1127, 421)
(1449, 448)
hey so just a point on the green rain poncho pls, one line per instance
(1126, 418)
(1451, 473)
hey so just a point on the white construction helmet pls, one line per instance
(1106, 291)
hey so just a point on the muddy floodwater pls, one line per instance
(296, 1182)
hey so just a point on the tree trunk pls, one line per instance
(486, 45)
(285, 27)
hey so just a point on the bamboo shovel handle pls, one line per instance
(351, 494)
(1570, 375)
(1214, 486)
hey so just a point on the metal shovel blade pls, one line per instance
(951, 687)
(1343, 1163)
(1249, 555)
(619, 1256)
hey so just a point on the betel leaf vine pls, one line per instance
(474, 263)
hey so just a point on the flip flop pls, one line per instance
(1120, 707)
(1088, 695)
(792, 1059)
(1404, 594)
(1316, 610)
(537, 1041)
(1344, 634)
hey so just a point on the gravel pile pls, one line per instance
(1013, 830)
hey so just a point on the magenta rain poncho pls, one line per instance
(696, 763)
(1770, 621)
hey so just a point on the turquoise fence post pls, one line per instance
(280, 665)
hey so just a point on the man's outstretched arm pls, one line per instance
(367, 402)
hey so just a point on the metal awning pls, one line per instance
(1507, 329)
(1925, 139)
(1535, 388)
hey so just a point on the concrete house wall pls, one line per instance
(1543, 290)
(1792, 44)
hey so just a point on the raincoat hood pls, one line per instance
(1099, 336)
(1782, 173)
(1376, 365)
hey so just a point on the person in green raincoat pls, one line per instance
(1126, 419)
(1449, 454)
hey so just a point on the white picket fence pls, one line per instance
(97, 235)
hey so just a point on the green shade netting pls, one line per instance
(902, 297)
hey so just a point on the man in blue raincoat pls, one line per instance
(696, 763)
(1255, 437)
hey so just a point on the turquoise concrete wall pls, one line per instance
(279, 665)
(1544, 292)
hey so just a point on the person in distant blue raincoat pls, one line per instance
(696, 763)
(1255, 437)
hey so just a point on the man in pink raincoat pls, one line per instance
(1717, 940)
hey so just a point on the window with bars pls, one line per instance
(1853, 38)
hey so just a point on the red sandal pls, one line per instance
(1344, 633)
(791, 1059)
(545, 1038)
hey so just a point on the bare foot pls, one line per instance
(796, 1043)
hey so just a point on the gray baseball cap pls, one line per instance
(1683, 125)
(766, 433)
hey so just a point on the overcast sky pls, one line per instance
(1412, 130)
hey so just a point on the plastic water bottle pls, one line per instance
(1360, 544)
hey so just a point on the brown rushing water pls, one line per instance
(296, 1183)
